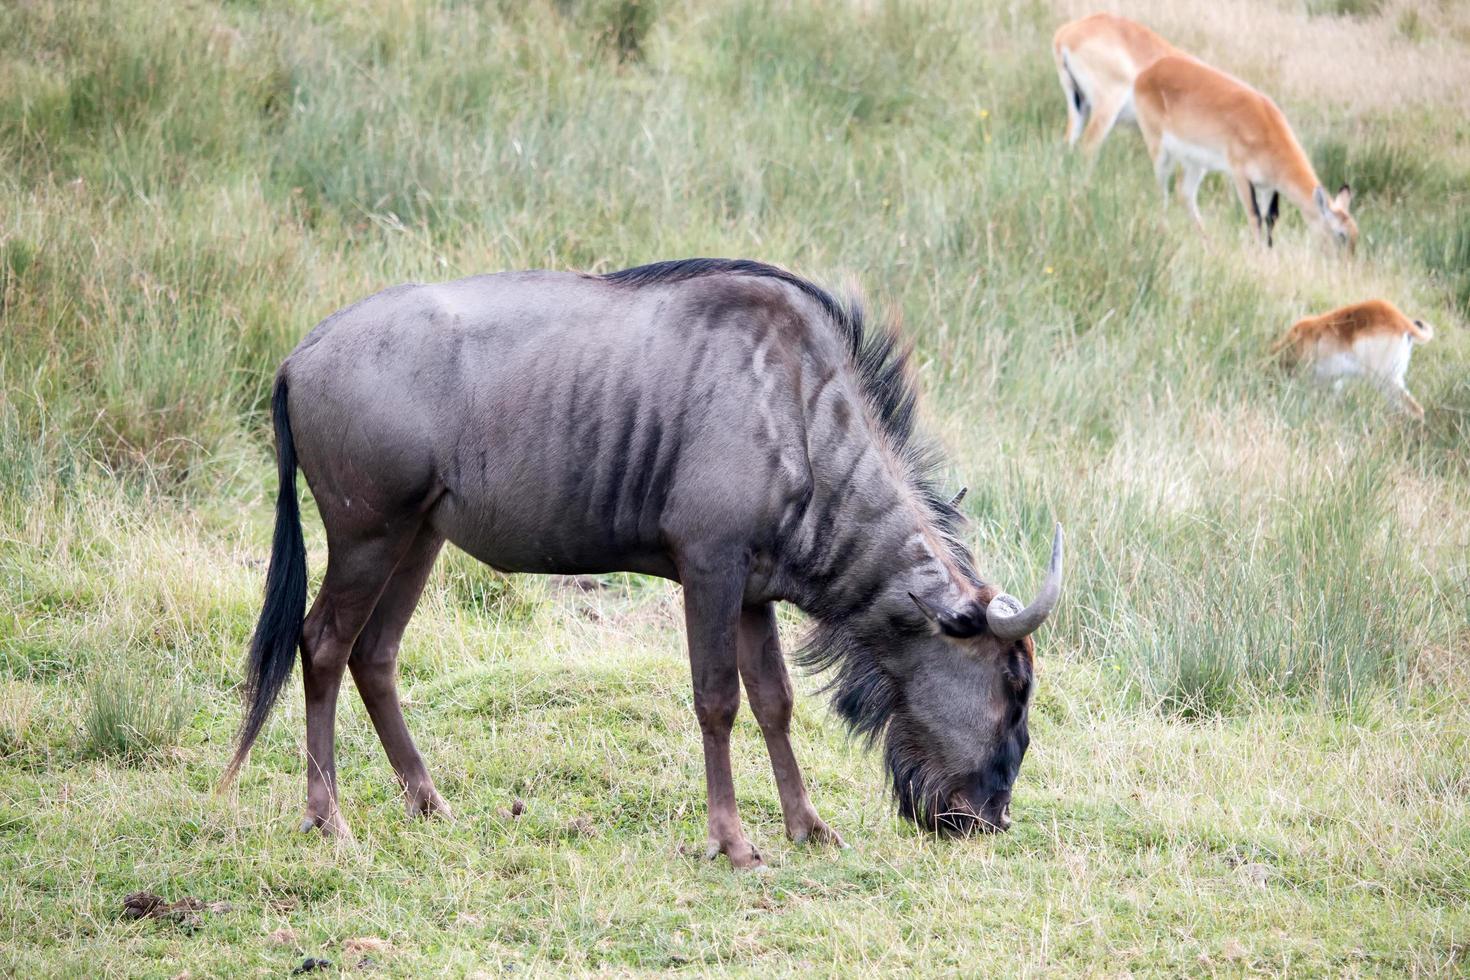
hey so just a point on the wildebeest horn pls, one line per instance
(1005, 615)
(955, 500)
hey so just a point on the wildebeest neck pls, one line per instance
(869, 536)
(875, 526)
(872, 523)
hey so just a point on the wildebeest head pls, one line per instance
(961, 689)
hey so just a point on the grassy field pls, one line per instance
(1251, 739)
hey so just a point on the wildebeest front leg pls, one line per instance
(712, 612)
(768, 684)
(374, 666)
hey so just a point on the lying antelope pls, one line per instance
(1372, 339)
(1203, 120)
(1098, 58)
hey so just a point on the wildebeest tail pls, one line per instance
(278, 631)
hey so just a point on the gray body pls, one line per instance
(553, 422)
(723, 424)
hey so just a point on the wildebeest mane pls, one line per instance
(862, 692)
(879, 358)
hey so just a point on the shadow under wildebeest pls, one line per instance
(724, 424)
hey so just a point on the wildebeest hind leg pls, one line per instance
(374, 666)
(357, 571)
(712, 591)
(768, 685)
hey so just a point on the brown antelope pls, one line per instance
(1372, 339)
(1098, 58)
(1195, 117)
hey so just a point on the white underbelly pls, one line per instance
(1194, 155)
(1384, 355)
(1338, 364)
(1125, 112)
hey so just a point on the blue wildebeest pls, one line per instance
(724, 424)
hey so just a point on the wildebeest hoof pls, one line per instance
(741, 854)
(331, 825)
(427, 804)
(818, 833)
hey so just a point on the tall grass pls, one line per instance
(1345, 8)
(17, 709)
(131, 718)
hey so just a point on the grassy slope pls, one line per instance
(1250, 746)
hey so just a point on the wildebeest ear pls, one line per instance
(951, 622)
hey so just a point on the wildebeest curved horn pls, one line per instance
(1009, 620)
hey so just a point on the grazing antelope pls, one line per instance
(1372, 339)
(1098, 58)
(1202, 120)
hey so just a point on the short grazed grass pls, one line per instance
(1251, 750)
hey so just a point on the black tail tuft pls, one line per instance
(1079, 100)
(278, 632)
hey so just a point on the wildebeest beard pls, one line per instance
(919, 792)
(866, 697)
(871, 700)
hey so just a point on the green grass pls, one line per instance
(1250, 735)
(1345, 8)
(131, 717)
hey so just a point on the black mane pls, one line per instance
(862, 692)
(880, 361)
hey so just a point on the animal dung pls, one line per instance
(184, 912)
(312, 963)
(582, 827)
